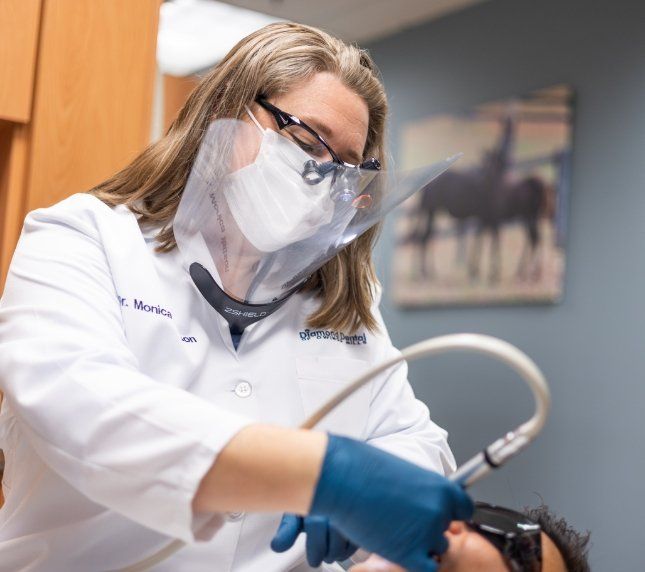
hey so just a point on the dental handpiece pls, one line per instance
(504, 448)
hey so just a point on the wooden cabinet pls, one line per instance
(76, 88)
(175, 93)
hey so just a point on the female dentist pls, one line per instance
(159, 334)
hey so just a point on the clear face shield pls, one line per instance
(259, 214)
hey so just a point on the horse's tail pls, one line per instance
(540, 196)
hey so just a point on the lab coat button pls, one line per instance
(234, 516)
(243, 389)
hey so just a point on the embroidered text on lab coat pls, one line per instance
(151, 308)
(354, 340)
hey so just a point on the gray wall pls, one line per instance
(589, 462)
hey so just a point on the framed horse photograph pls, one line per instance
(492, 229)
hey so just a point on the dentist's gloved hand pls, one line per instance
(324, 542)
(387, 505)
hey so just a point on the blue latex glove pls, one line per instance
(387, 505)
(324, 542)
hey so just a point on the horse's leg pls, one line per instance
(529, 264)
(475, 252)
(525, 257)
(460, 255)
(494, 255)
(520, 273)
(425, 246)
(417, 238)
(534, 239)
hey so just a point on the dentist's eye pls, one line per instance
(308, 143)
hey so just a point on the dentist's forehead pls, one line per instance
(337, 113)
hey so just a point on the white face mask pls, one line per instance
(271, 203)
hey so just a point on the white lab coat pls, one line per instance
(122, 385)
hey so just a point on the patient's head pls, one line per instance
(480, 546)
(472, 548)
(571, 545)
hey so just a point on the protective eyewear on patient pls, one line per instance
(514, 535)
(310, 142)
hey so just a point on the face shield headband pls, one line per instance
(251, 226)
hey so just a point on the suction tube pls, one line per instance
(497, 453)
(493, 456)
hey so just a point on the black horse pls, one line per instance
(483, 197)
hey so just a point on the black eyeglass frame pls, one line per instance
(284, 119)
(520, 547)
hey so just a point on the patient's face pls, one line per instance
(470, 551)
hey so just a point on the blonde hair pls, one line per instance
(268, 62)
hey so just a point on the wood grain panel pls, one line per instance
(94, 88)
(6, 137)
(175, 93)
(19, 23)
(14, 160)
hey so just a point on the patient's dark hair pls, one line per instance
(573, 545)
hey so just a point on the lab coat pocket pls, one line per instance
(320, 379)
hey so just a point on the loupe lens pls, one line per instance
(311, 173)
(345, 185)
(343, 194)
